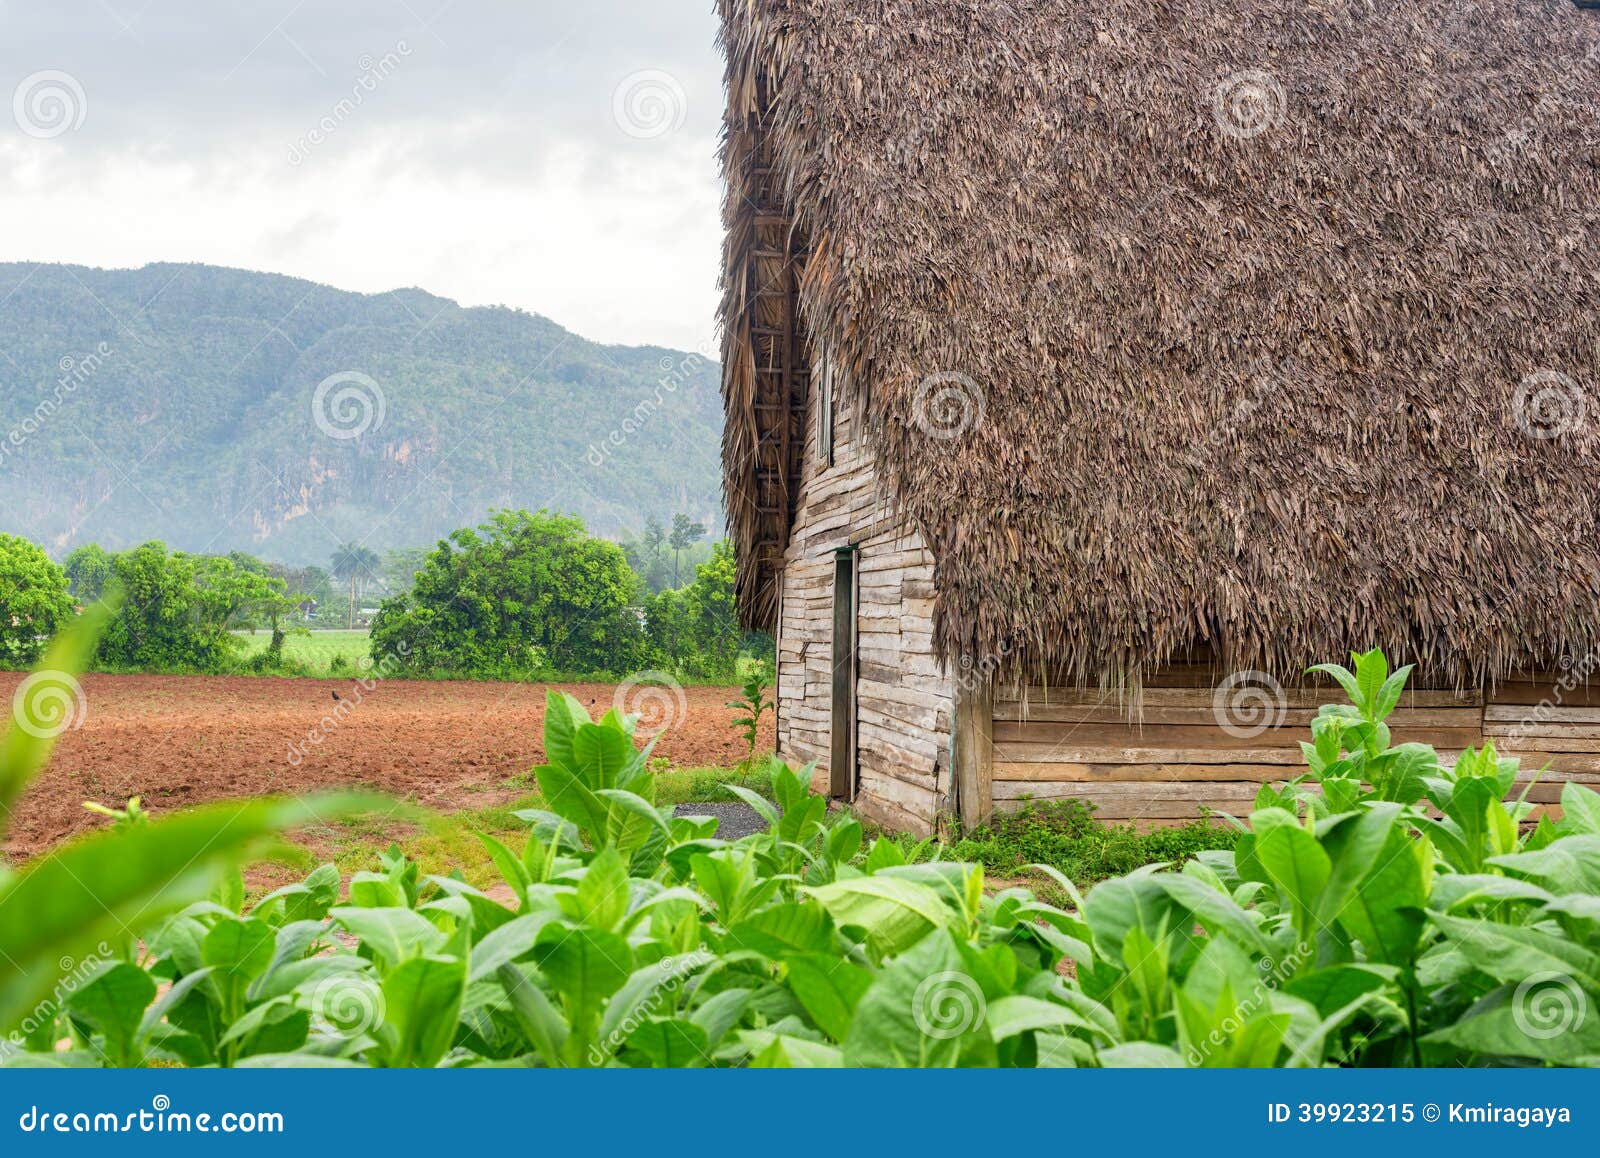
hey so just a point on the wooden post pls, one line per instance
(974, 751)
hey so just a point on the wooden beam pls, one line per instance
(974, 752)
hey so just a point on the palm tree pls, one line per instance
(356, 564)
(683, 535)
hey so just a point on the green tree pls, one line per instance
(696, 629)
(519, 595)
(647, 556)
(33, 600)
(88, 568)
(179, 611)
(685, 533)
(357, 566)
(400, 567)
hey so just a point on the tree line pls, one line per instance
(521, 596)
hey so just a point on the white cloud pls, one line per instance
(470, 150)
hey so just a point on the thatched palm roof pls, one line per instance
(1278, 315)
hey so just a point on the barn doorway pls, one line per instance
(842, 722)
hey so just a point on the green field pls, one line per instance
(315, 651)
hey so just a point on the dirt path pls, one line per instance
(184, 740)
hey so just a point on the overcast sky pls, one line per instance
(556, 155)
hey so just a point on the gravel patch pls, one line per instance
(737, 819)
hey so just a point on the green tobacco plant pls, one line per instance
(1383, 908)
(752, 704)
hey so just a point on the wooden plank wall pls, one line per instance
(904, 702)
(1550, 722)
(1053, 743)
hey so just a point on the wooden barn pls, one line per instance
(1093, 368)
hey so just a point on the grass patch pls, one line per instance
(321, 653)
(1065, 834)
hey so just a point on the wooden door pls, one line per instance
(842, 724)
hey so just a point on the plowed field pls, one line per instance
(178, 741)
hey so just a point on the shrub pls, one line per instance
(520, 595)
(33, 600)
(178, 611)
(1065, 834)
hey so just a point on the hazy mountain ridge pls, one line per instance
(181, 402)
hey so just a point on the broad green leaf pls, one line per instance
(510, 865)
(918, 1011)
(762, 806)
(422, 1003)
(1298, 866)
(563, 715)
(631, 820)
(1385, 911)
(114, 1002)
(782, 1051)
(1353, 843)
(1570, 865)
(786, 928)
(546, 1029)
(1216, 910)
(1141, 1055)
(1553, 1020)
(894, 913)
(1346, 680)
(672, 1043)
(829, 988)
(507, 943)
(1009, 1016)
(600, 754)
(654, 989)
(585, 966)
(1121, 905)
(604, 891)
(720, 1012)
(1580, 809)
(571, 799)
(1514, 953)
(392, 935)
(237, 952)
(1335, 986)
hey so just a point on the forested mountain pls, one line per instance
(222, 409)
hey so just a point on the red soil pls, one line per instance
(178, 741)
